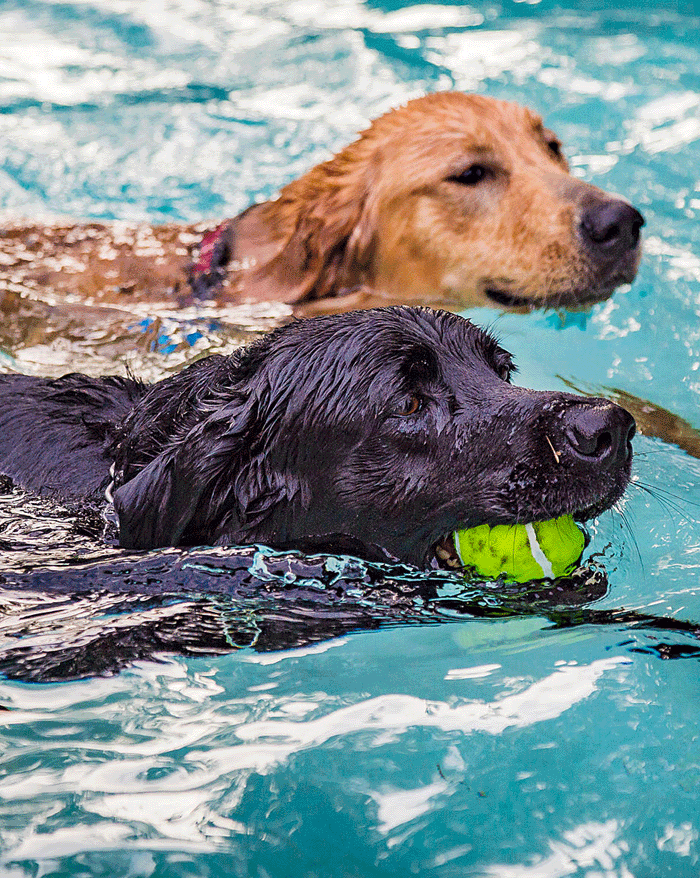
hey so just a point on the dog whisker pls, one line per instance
(667, 501)
(557, 455)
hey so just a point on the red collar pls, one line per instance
(215, 251)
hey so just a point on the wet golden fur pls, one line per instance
(387, 219)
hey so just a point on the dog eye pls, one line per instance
(504, 372)
(553, 145)
(411, 406)
(471, 176)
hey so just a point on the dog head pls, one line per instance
(388, 428)
(451, 198)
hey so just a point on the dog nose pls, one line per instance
(599, 432)
(612, 226)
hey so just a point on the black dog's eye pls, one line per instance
(411, 406)
(504, 367)
(504, 371)
(472, 175)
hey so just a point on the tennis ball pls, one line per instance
(540, 550)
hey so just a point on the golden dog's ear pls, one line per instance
(325, 225)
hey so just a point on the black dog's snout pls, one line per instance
(612, 226)
(600, 434)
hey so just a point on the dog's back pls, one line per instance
(54, 433)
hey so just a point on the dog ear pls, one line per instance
(327, 223)
(212, 483)
(156, 506)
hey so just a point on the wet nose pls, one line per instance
(611, 226)
(599, 432)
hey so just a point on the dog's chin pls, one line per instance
(512, 300)
(508, 296)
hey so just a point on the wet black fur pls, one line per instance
(369, 432)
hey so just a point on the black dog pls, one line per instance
(370, 432)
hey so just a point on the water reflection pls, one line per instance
(76, 619)
(150, 340)
(72, 606)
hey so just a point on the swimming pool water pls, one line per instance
(498, 741)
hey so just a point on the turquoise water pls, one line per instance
(520, 743)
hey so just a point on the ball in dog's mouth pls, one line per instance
(516, 553)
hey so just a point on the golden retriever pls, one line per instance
(455, 199)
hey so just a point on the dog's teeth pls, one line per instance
(442, 553)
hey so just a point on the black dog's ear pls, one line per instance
(156, 506)
(212, 481)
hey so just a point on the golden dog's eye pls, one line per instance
(554, 146)
(471, 176)
(411, 406)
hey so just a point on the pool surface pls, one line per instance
(265, 715)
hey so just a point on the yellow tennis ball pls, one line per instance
(521, 552)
